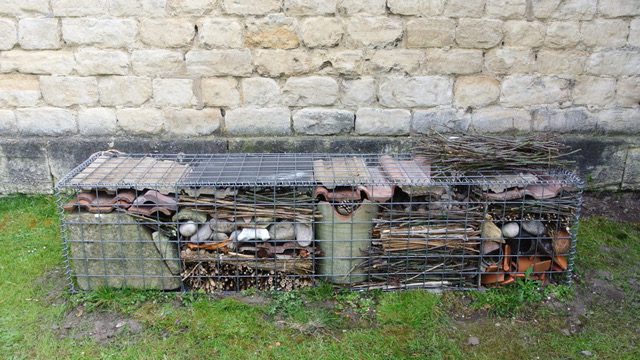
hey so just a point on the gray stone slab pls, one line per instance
(24, 167)
(113, 250)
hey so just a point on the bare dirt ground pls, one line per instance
(619, 206)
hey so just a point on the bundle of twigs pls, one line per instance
(467, 152)
(433, 240)
(412, 266)
(294, 206)
(562, 209)
(215, 277)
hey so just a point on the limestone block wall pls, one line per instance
(226, 69)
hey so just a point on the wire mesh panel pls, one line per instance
(231, 222)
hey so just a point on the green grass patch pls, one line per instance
(318, 323)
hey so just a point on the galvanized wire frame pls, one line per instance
(360, 221)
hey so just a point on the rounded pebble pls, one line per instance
(510, 230)
(188, 229)
(534, 227)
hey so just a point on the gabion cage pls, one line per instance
(230, 222)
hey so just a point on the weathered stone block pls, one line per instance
(262, 92)
(190, 7)
(430, 32)
(563, 120)
(506, 9)
(496, 119)
(219, 62)
(555, 62)
(477, 33)
(124, 90)
(220, 92)
(251, 7)
(92, 61)
(173, 92)
(191, 122)
(605, 33)
(155, 8)
(252, 121)
(140, 121)
(277, 63)
(464, 8)
(562, 34)
(575, 9)
(167, 32)
(274, 31)
(322, 121)
(220, 33)
(39, 34)
(46, 121)
(628, 91)
(405, 61)
(362, 7)
(112, 33)
(97, 121)
(509, 60)
(476, 91)
(109, 245)
(69, 8)
(321, 31)
(348, 63)
(619, 120)
(440, 120)
(46, 62)
(358, 92)
(24, 167)
(533, 90)
(19, 90)
(7, 122)
(370, 121)
(634, 32)
(454, 61)
(618, 8)
(312, 90)
(564, 10)
(22, 7)
(594, 91)
(158, 62)
(600, 161)
(416, 7)
(631, 179)
(309, 7)
(8, 34)
(69, 90)
(524, 33)
(614, 63)
(417, 91)
(374, 31)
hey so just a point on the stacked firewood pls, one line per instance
(215, 276)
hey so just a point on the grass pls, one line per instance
(520, 321)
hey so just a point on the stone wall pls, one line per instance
(92, 73)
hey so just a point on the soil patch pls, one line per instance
(102, 327)
(619, 206)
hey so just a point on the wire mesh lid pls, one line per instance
(111, 169)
